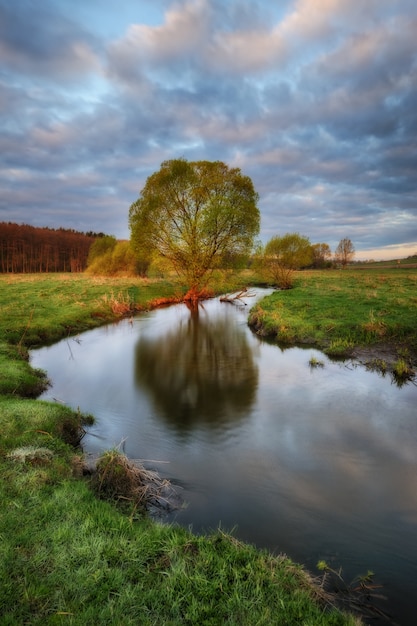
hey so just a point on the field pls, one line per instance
(69, 557)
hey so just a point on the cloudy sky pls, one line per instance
(315, 100)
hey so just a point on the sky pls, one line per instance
(315, 100)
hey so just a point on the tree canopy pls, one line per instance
(194, 214)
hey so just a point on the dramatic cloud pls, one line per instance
(315, 100)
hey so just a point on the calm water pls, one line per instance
(316, 463)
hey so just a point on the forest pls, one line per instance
(29, 249)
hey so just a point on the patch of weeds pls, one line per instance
(120, 304)
(340, 348)
(375, 326)
(404, 353)
(402, 371)
(314, 362)
(361, 595)
(377, 365)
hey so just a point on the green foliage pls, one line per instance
(117, 259)
(283, 255)
(100, 247)
(194, 215)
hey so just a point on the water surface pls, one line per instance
(317, 463)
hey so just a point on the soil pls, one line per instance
(384, 352)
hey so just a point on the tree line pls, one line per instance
(29, 249)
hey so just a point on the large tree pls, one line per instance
(283, 255)
(194, 214)
(344, 252)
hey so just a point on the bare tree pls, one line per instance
(344, 252)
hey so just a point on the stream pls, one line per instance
(319, 463)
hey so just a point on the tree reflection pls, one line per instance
(202, 371)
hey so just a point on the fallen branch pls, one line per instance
(231, 298)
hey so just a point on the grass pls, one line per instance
(344, 311)
(76, 560)
(36, 309)
(40, 308)
(70, 557)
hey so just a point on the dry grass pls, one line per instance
(32, 455)
(120, 304)
(119, 479)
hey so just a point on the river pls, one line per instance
(319, 463)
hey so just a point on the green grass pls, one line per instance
(67, 557)
(16, 374)
(40, 308)
(36, 309)
(74, 559)
(342, 310)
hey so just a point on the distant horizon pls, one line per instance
(315, 101)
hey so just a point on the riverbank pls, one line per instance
(68, 557)
(369, 316)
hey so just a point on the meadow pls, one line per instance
(369, 314)
(67, 556)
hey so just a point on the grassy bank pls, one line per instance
(370, 314)
(67, 557)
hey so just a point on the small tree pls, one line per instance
(117, 259)
(194, 215)
(284, 255)
(100, 247)
(321, 255)
(344, 252)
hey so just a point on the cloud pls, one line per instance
(316, 101)
(37, 39)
